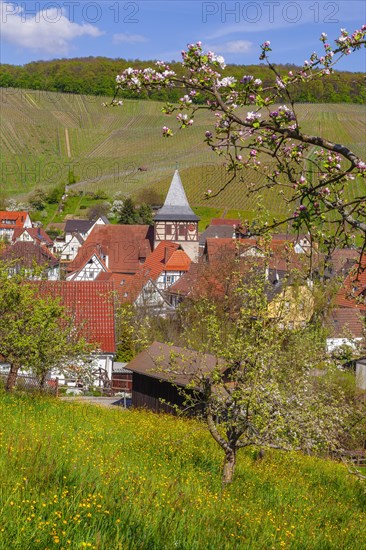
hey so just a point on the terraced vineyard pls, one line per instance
(107, 146)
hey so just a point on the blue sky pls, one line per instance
(150, 29)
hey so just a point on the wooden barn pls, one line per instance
(153, 387)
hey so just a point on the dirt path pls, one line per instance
(67, 143)
(91, 400)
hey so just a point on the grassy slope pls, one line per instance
(78, 476)
(107, 146)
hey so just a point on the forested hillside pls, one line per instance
(96, 76)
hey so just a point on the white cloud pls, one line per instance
(129, 38)
(233, 46)
(47, 31)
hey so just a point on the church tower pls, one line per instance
(176, 221)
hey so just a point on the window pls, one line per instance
(168, 229)
(182, 231)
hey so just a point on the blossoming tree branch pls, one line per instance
(256, 126)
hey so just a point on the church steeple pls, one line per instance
(176, 221)
(176, 206)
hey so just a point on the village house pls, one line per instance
(36, 235)
(114, 249)
(222, 228)
(346, 328)
(12, 220)
(75, 234)
(225, 265)
(165, 265)
(28, 256)
(347, 321)
(92, 308)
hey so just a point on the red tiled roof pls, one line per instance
(178, 261)
(342, 259)
(353, 291)
(154, 265)
(225, 221)
(187, 282)
(91, 304)
(343, 321)
(125, 246)
(165, 257)
(217, 246)
(17, 218)
(28, 252)
(156, 262)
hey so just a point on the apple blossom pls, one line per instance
(313, 167)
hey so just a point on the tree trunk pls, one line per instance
(43, 380)
(229, 467)
(12, 378)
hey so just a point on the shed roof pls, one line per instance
(159, 358)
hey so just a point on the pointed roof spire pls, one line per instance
(176, 206)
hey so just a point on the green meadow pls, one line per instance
(81, 476)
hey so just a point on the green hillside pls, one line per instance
(49, 138)
(96, 76)
(80, 476)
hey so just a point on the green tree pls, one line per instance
(36, 333)
(263, 391)
(145, 214)
(132, 328)
(128, 214)
(38, 198)
(55, 195)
